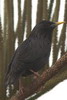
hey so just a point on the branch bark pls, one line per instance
(48, 74)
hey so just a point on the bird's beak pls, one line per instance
(58, 23)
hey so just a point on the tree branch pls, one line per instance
(48, 74)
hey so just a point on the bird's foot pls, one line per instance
(21, 91)
(21, 88)
(36, 74)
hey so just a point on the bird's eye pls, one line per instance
(52, 25)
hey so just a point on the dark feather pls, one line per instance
(32, 54)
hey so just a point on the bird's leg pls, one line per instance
(21, 88)
(35, 73)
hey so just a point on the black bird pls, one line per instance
(33, 53)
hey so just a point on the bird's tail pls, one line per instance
(9, 84)
(10, 79)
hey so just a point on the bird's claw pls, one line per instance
(36, 74)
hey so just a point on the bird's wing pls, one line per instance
(9, 67)
(30, 50)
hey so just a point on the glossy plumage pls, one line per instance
(32, 54)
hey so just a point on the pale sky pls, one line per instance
(59, 92)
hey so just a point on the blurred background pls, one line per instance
(17, 19)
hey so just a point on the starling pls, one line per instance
(33, 53)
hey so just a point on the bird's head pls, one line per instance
(55, 24)
(45, 27)
(49, 25)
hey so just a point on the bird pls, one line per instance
(33, 53)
